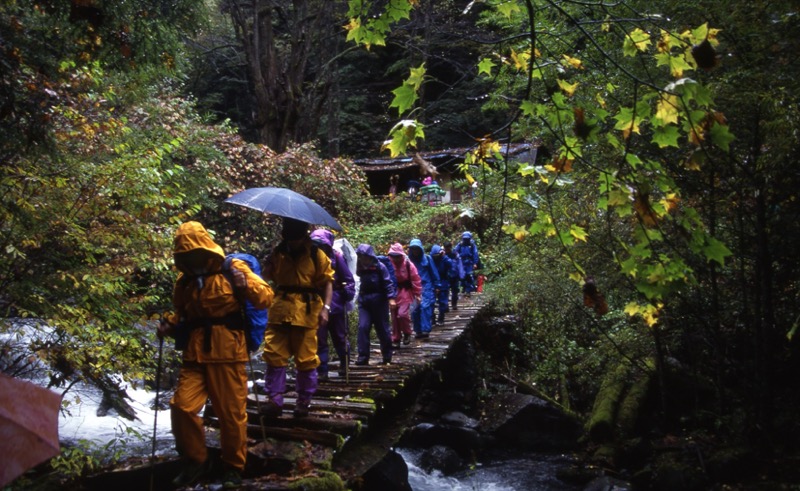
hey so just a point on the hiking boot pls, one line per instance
(231, 479)
(385, 362)
(396, 345)
(301, 408)
(323, 377)
(406, 339)
(343, 372)
(271, 409)
(424, 335)
(361, 363)
(192, 471)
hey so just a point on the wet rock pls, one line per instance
(530, 423)
(426, 435)
(606, 483)
(441, 458)
(456, 418)
(390, 474)
(440, 400)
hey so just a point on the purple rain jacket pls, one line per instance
(344, 285)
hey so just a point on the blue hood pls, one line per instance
(466, 235)
(436, 250)
(416, 243)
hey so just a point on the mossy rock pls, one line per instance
(323, 481)
(600, 426)
(671, 472)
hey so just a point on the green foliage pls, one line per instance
(90, 187)
(369, 24)
(400, 221)
(337, 185)
(636, 186)
(77, 461)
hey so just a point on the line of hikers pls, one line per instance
(306, 286)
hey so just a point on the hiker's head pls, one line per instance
(448, 247)
(194, 251)
(415, 249)
(196, 261)
(365, 256)
(294, 230)
(437, 251)
(396, 253)
(466, 237)
(324, 239)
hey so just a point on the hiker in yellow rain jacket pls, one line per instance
(215, 356)
(303, 279)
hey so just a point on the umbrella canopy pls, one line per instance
(286, 203)
(28, 426)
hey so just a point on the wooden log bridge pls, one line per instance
(343, 412)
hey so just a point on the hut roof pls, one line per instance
(441, 157)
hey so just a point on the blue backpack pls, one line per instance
(387, 261)
(255, 319)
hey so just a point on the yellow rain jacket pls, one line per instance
(214, 300)
(292, 273)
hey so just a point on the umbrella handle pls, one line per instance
(155, 413)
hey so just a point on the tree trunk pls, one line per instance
(288, 51)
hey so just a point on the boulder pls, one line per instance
(530, 423)
(390, 474)
(425, 435)
(459, 419)
(441, 458)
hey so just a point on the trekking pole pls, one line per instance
(258, 403)
(155, 413)
(346, 360)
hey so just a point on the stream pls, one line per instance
(504, 472)
(510, 472)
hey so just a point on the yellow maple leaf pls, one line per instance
(667, 109)
(568, 88)
(573, 62)
(520, 60)
(632, 309)
(670, 202)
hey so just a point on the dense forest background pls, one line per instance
(652, 239)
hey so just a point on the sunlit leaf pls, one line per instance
(569, 61)
(520, 60)
(636, 41)
(485, 66)
(567, 87)
(578, 232)
(507, 8)
(667, 110)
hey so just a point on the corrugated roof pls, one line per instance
(435, 156)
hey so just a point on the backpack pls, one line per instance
(468, 252)
(387, 261)
(255, 319)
